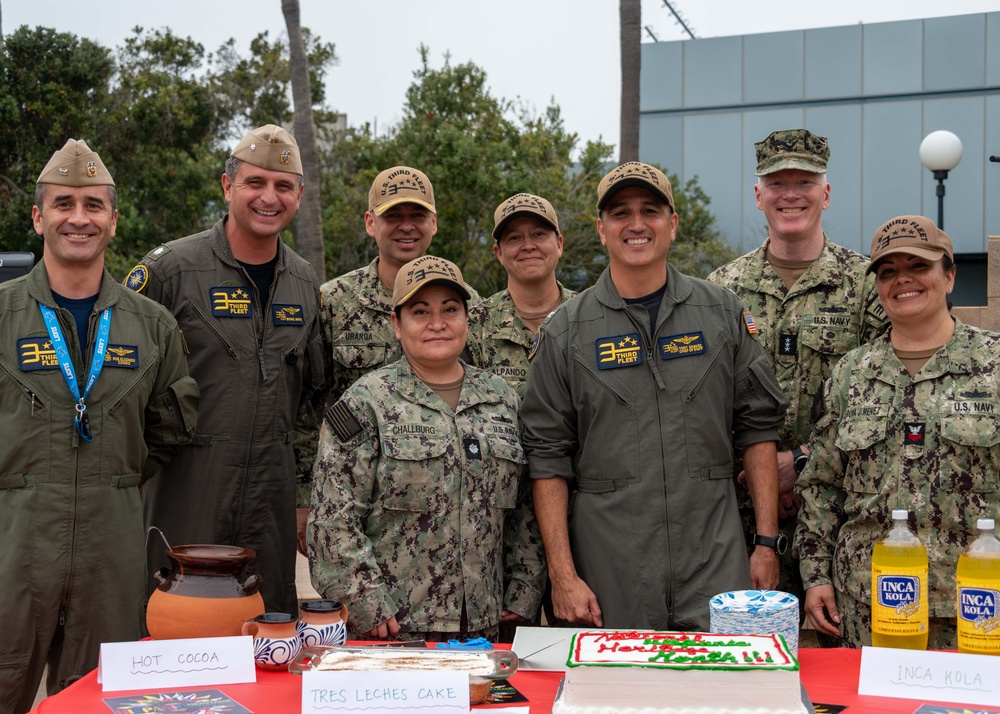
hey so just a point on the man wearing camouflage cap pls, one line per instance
(249, 308)
(640, 387)
(811, 301)
(95, 393)
(419, 493)
(357, 306)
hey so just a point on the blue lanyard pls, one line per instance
(82, 421)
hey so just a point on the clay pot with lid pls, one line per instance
(202, 594)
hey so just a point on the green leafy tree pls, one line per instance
(53, 85)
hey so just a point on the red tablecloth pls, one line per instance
(829, 676)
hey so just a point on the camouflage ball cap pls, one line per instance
(76, 164)
(635, 173)
(523, 204)
(423, 271)
(915, 235)
(400, 184)
(270, 147)
(792, 149)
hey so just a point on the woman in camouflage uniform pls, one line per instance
(911, 421)
(420, 466)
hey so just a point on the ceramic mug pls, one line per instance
(323, 622)
(275, 639)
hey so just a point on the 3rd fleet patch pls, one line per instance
(230, 302)
(34, 353)
(683, 345)
(288, 314)
(620, 351)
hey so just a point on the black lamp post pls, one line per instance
(940, 152)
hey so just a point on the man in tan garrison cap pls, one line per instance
(94, 393)
(249, 308)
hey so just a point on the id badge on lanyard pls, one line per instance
(81, 420)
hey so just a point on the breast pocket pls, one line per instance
(507, 463)
(863, 444)
(412, 473)
(363, 356)
(970, 458)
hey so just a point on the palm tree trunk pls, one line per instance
(309, 228)
(630, 19)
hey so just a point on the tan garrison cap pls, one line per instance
(792, 149)
(400, 184)
(523, 204)
(270, 147)
(76, 164)
(423, 271)
(635, 173)
(915, 235)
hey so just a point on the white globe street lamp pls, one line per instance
(940, 152)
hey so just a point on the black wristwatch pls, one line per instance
(779, 544)
(799, 459)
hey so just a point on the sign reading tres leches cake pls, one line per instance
(674, 672)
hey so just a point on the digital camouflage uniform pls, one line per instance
(259, 362)
(804, 330)
(357, 326)
(644, 423)
(929, 444)
(72, 563)
(500, 339)
(410, 501)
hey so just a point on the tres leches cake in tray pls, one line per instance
(679, 673)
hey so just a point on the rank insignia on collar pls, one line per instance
(288, 314)
(472, 450)
(231, 301)
(36, 353)
(788, 344)
(683, 345)
(620, 351)
(137, 278)
(123, 356)
(534, 345)
(914, 433)
(748, 321)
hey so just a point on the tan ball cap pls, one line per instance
(523, 204)
(270, 147)
(915, 235)
(76, 164)
(792, 149)
(423, 271)
(635, 173)
(400, 184)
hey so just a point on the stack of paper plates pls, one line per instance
(757, 612)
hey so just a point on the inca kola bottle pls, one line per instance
(899, 588)
(978, 581)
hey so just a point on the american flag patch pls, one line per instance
(751, 325)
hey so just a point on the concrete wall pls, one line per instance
(874, 90)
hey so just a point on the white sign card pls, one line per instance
(934, 676)
(162, 664)
(384, 692)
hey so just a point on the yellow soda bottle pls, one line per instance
(978, 581)
(899, 588)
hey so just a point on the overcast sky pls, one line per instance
(533, 49)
